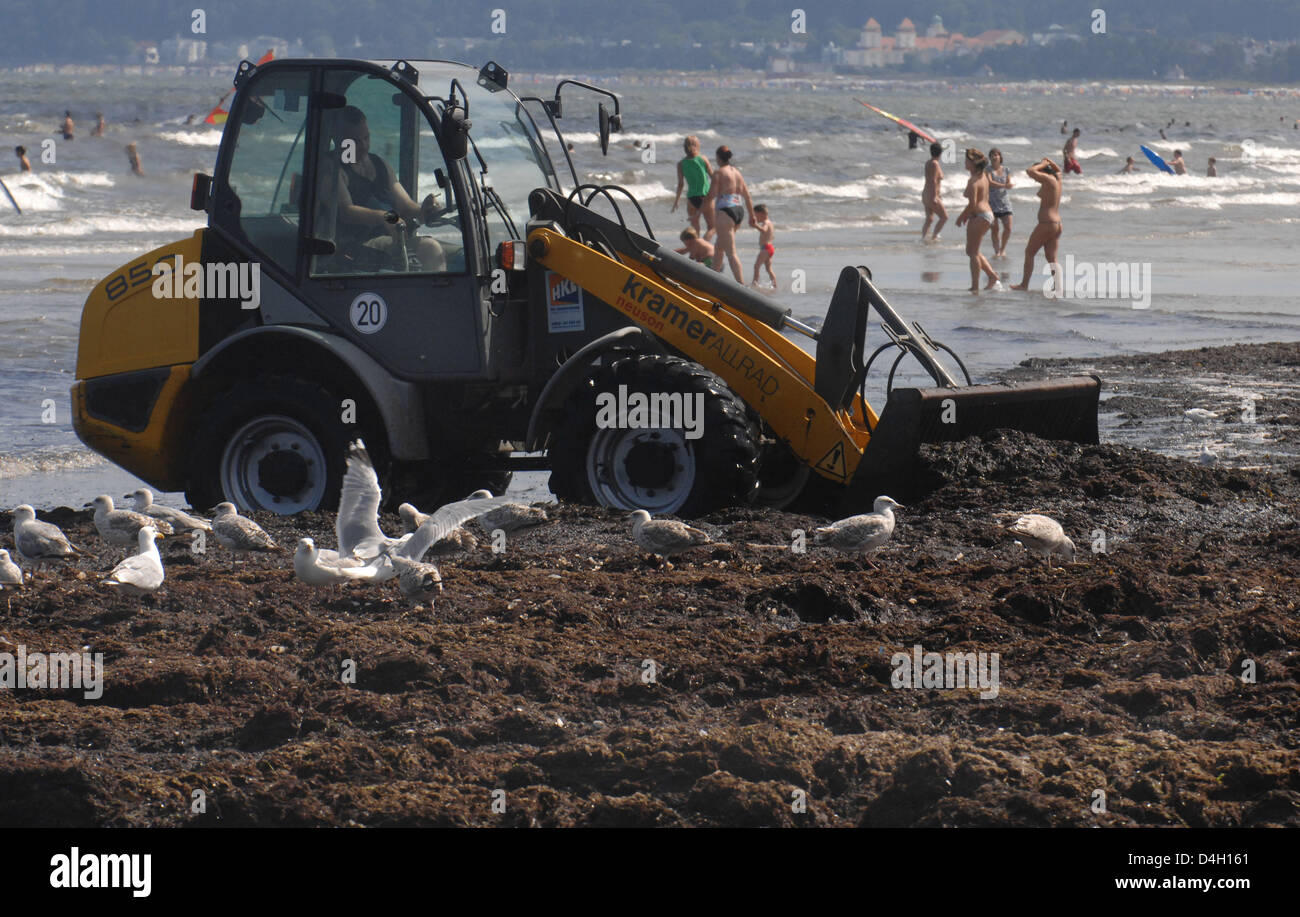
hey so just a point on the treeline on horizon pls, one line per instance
(1200, 36)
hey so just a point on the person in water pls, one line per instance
(1047, 234)
(932, 193)
(1213, 170)
(24, 165)
(1178, 164)
(1129, 166)
(133, 157)
(695, 248)
(68, 126)
(1069, 154)
(766, 236)
(730, 197)
(999, 184)
(978, 219)
(696, 175)
(99, 125)
(913, 140)
(373, 207)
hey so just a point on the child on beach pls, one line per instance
(695, 247)
(766, 233)
(932, 193)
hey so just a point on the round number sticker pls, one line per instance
(368, 313)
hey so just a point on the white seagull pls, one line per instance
(1043, 535)
(179, 520)
(10, 573)
(458, 540)
(239, 534)
(317, 567)
(665, 537)
(122, 526)
(863, 533)
(418, 581)
(39, 543)
(141, 573)
(357, 526)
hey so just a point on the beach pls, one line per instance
(572, 680)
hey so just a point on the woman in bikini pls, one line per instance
(978, 218)
(730, 197)
(695, 174)
(1047, 234)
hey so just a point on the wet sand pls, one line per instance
(772, 669)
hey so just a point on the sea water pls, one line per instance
(840, 183)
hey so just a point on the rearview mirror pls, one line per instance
(603, 114)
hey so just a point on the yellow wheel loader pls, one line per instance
(389, 255)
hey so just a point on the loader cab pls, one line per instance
(334, 176)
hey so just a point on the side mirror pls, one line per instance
(455, 133)
(200, 190)
(605, 125)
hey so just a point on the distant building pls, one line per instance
(875, 49)
(183, 51)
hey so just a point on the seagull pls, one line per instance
(1199, 415)
(1043, 535)
(357, 526)
(10, 573)
(39, 543)
(458, 540)
(862, 533)
(512, 517)
(665, 537)
(122, 526)
(238, 533)
(417, 580)
(317, 567)
(180, 521)
(1207, 456)
(140, 573)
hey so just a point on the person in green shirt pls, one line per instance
(695, 173)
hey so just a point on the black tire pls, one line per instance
(310, 420)
(718, 469)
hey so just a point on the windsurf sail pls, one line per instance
(897, 120)
(219, 114)
(1157, 161)
(11, 197)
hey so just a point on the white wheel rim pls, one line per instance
(254, 441)
(614, 485)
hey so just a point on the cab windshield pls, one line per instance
(505, 138)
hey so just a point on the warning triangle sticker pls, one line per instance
(833, 462)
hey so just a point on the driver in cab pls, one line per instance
(373, 207)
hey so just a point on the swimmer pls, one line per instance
(24, 165)
(1178, 164)
(1129, 166)
(1212, 171)
(696, 175)
(978, 219)
(932, 194)
(1069, 154)
(1047, 234)
(730, 197)
(695, 248)
(766, 235)
(68, 126)
(133, 157)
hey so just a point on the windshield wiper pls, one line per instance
(489, 193)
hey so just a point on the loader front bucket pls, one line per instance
(1064, 409)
